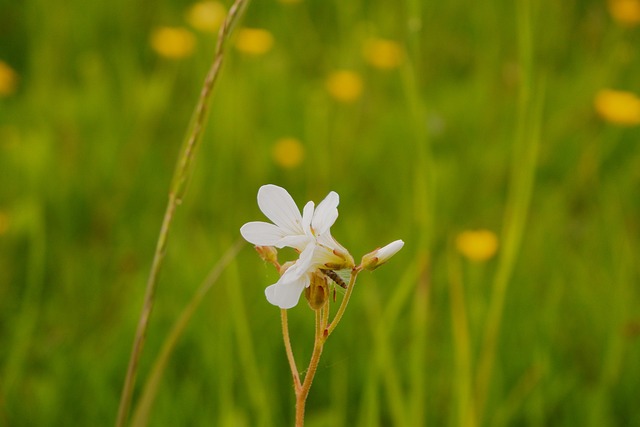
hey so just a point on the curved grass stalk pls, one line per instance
(178, 188)
(143, 409)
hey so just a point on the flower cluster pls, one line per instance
(310, 235)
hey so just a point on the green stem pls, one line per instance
(289, 350)
(530, 105)
(462, 344)
(143, 409)
(301, 395)
(343, 304)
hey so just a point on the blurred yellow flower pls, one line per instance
(206, 16)
(254, 41)
(4, 223)
(477, 245)
(383, 54)
(288, 153)
(173, 42)
(344, 85)
(619, 107)
(8, 79)
(626, 12)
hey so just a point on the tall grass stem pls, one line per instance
(141, 414)
(524, 162)
(178, 188)
(461, 343)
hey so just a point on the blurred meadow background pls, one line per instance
(500, 140)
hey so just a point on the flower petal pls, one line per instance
(304, 262)
(276, 203)
(286, 293)
(307, 216)
(326, 213)
(298, 242)
(262, 233)
(326, 239)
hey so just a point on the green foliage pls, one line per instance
(439, 145)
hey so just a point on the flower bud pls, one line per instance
(317, 292)
(375, 259)
(268, 254)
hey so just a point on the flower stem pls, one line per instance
(303, 392)
(343, 304)
(289, 350)
(323, 330)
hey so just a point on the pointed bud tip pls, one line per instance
(376, 258)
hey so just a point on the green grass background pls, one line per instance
(446, 143)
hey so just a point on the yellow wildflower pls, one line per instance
(344, 85)
(477, 245)
(206, 16)
(288, 153)
(383, 54)
(173, 42)
(626, 12)
(254, 41)
(8, 79)
(618, 107)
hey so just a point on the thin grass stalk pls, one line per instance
(516, 211)
(462, 344)
(388, 366)
(25, 324)
(369, 413)
(621, 292)
(419, 325)
(248, 357)
(385, 366)
(178, 188)
(424, 195)
(517, 396)
(143, 408)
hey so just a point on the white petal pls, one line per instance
(298, 242)
(276, 203)
(390, 250)
(261, 233)
(307, 216)
(326, 257)
(286, 294)
(326, 239)
(326, 213)
(304, 263)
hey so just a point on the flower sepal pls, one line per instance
(318, 291)
(268, 254)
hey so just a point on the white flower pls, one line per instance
(309, 233)
(375, 259)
